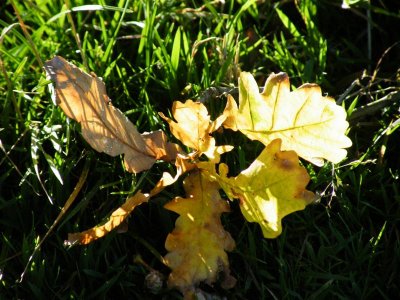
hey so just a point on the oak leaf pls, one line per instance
(273, 186)
(307, 122)
(193, 127)
(198, 243)
(83, 98)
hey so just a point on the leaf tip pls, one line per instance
(273, 80)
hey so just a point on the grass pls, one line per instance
(150, 53)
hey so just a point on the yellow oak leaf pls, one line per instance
(198, 243)
(193, 127)
(115, 220)
(307, 122)
(273, 186)
(83, 98)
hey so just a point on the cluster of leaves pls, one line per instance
(289, 123)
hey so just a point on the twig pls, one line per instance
(375, 106)
(216, 92)
(365, 110)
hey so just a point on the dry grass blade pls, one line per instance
(67, 204)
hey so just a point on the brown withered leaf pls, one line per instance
(116, 218)
(83, 98)
(119, 215)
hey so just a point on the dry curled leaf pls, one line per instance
(306, 122)
(116, 218)
(198, 243)
(120, 214)
(83, 98)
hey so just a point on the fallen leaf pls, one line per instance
(193, 127)
(116, 218)
(83, 98)
(198, 243)
(273, 186)
(306, 122)
(119, 215)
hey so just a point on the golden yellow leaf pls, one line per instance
(198, 243)
(116, 218)
(83, 98)
(193, 127)
(307, 122)
(273, 186)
